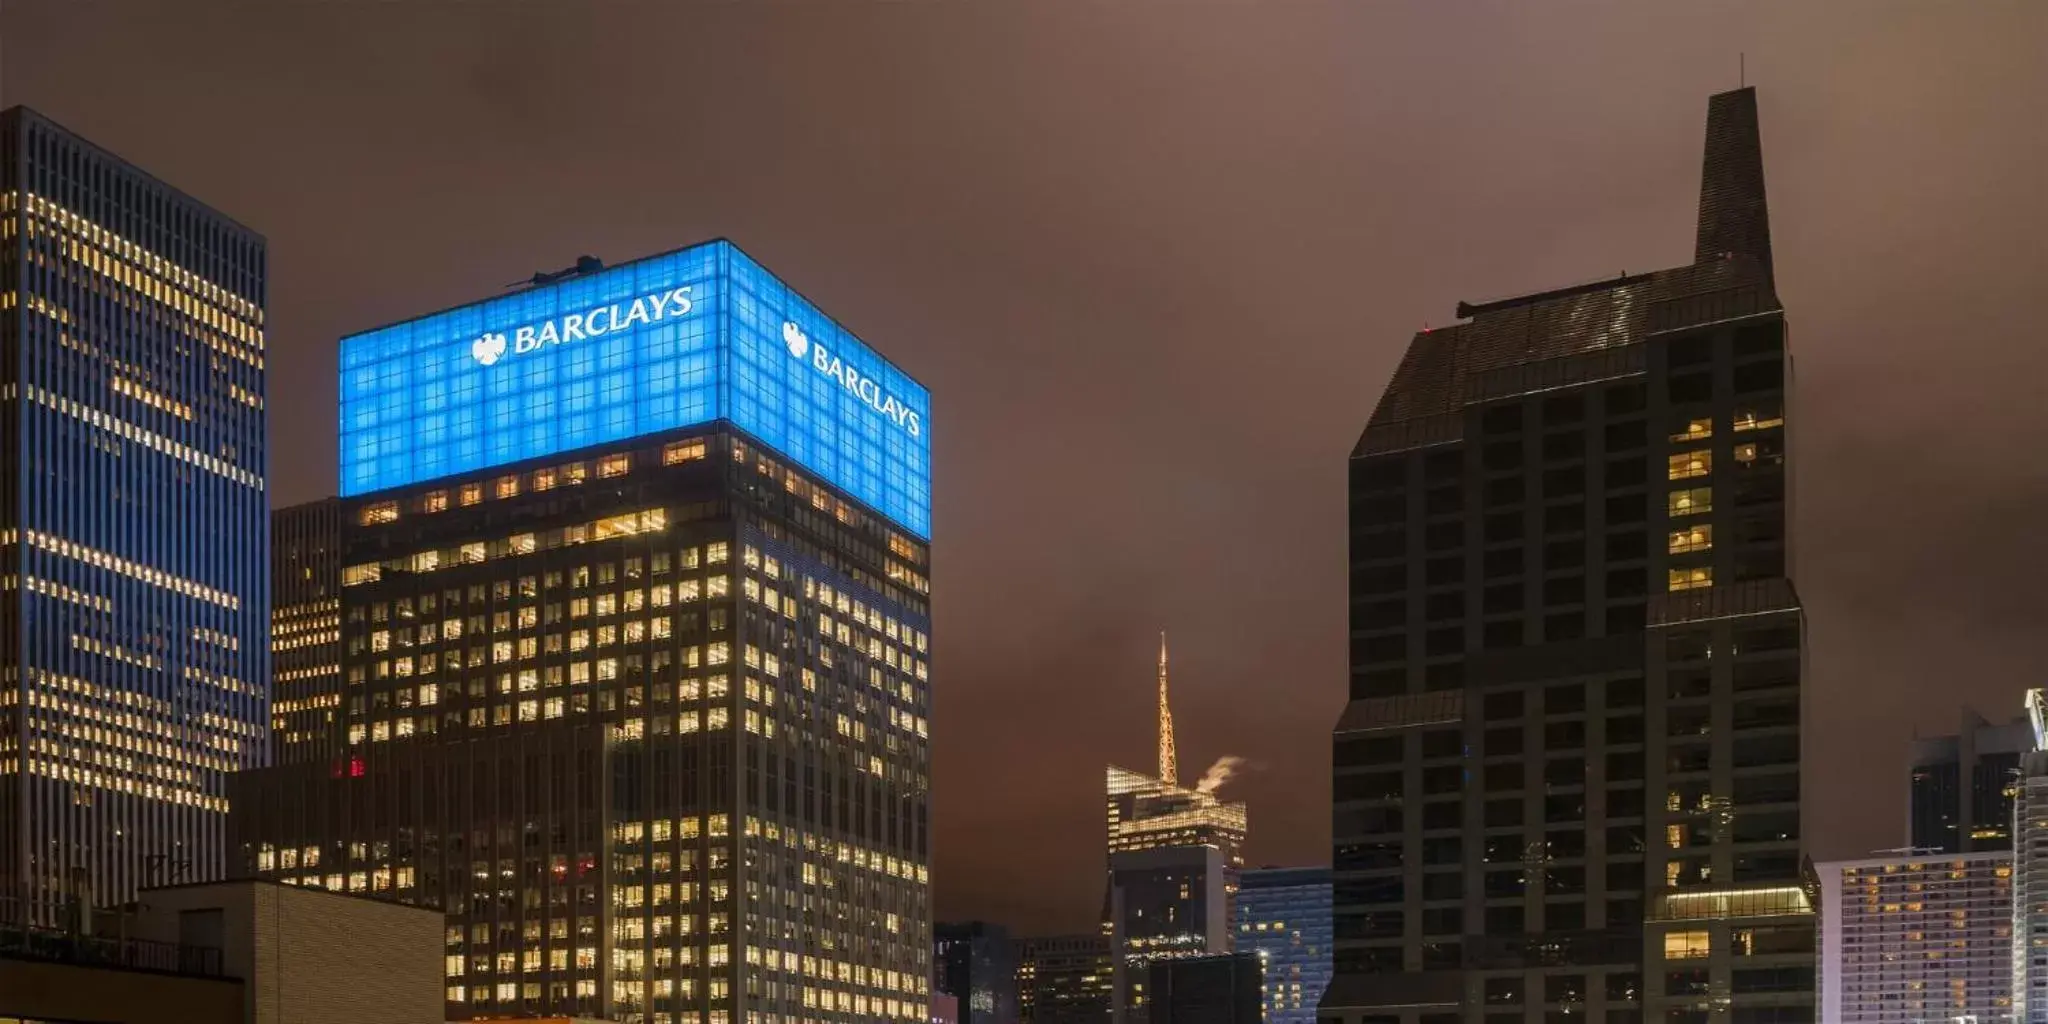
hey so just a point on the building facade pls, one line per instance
(1916, 937)
(976, 963)
(1567, 780)
(635, 653)
(1221, 989)
(2030, 871)
(1962, 786)
(1065, 979)
(134, 576)
(305, 630)
(1283, 916)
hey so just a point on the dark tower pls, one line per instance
(1567, 780)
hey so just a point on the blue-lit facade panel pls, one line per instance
(670, 341)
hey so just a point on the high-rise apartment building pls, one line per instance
(1283, 916)
(305, 630)
(1064, 979)
(1916, 937)
(976, 963)
(134, 560)
(1963, 785)
(1570, 761)
(635, 639)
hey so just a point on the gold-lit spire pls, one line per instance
(1169, 768)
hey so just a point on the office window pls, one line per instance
(1685, 465)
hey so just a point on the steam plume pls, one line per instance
(1225, 768)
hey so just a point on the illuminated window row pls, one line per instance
(116, 652)
(158, 442)
(124, 386)
(225, 682)
(101, 732)
(149, 298)
(54, 769)
(510, 485)
(216, 638)
(611, 527)
(134, 570)
(150, 261)
(51, 588)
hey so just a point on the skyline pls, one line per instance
(954, 314)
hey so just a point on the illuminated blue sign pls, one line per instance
(665, 342)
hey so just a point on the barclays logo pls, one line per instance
(492, 346)
(488, 349)
(861, 386)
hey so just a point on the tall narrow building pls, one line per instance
(134, 575)
(635, 641)
(305, 631)
(1567, 781)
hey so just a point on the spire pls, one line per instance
(1169, 768)
(1734, 220)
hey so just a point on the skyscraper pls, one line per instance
(134, 566)
(1174, 858)
(2030, 871)
(1963, 785)
(635, 639)
(1283, 915)
(976, 963)
(1570, 761)
(1218, 989)
(305, 630)
(1916, 937)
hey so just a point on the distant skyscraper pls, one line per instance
(1064, 979)
(635, 632)
(1573, 737)
(305, 630)
(1174, 858)
(134, 527)
(2030, 872)
(1219, 989)
(1910, 938)
(976, 962)
(1963, 785)
(1283, 915)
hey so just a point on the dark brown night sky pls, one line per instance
(1155, 261)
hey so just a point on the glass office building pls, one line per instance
(1567, 782)
(1283, 916)
(635, 641)
(134, 577)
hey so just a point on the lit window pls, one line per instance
(1693, 578)
(1692, 502)
(472, 493)
(682, 451)
(437, 501)
(507, 487)
(1759, 417)
(543, 479)
(1696, 538)
(381, 512)
(1694, 430)
(1686, 945)
(1691, 464)
(614, 465)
